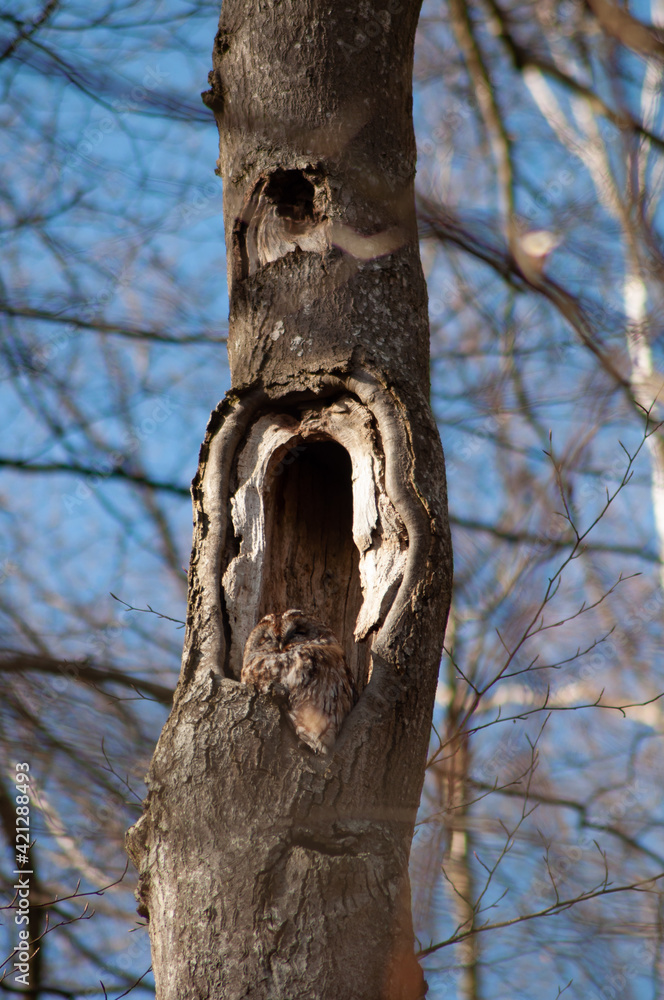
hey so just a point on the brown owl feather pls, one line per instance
(301, 658)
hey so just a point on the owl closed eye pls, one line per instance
(301, 658)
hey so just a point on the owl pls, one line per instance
(300, 658)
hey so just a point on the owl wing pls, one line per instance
(262, 671)
(322, 696)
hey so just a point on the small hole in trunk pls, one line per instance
(292, 193)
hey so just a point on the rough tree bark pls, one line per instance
(266, 871)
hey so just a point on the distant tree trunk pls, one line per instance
(269, 872)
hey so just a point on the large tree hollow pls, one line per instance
(311, 561)
(314, 527)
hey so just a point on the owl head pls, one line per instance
(280, 632)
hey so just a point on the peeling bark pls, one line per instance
(266, 871)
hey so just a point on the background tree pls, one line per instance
(113, 263)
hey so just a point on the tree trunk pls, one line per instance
(268, 871)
